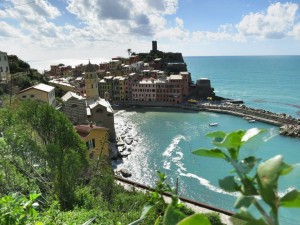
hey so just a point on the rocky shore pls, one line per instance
(126, 143)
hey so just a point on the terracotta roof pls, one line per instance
(84, 130)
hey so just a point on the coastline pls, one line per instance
(236, 110)
(289, 126)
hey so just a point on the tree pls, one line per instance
(65, 152)
(129, 52)
(46, 149)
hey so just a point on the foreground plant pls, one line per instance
(17, 209)
(262, 185)
(174, 212)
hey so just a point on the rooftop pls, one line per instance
(43, 87)
(90, 68)
(71, 94)
(84, 130)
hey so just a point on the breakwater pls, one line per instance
(289, 126)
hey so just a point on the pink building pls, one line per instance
(171, 90)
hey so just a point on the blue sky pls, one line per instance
(83, 29)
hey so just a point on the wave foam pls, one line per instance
(207, 184)
(173, 145)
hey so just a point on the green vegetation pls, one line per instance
(262, 183)
(47, 178)
(23, 75)
(42, 153)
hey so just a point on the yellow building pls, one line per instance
(40, 92)
(91, 81)
(122, 88)
(96, 139)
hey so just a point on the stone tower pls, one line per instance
(91, 81)
(154, 46)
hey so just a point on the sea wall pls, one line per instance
(289, 126)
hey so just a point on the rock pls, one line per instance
(128, 140)
(125, 153)
(125, 173)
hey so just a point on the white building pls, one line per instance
(4, 67)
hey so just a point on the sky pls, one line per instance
(45, 30)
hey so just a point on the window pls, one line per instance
(4, 58)
(1, 70)
(31, 96)
(73, 106)
(90, 144)
(24, 96)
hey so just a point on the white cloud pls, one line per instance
(7, 31)
(274, 24)
(295, 32)
(179, 22)
(105, 27)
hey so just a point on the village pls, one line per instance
(89, 93)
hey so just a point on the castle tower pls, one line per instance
(154, 46)
(91, 81)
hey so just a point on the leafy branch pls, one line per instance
(264, 183)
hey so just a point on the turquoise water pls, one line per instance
(164, 138)
(268, 82)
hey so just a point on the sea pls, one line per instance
(164, 138)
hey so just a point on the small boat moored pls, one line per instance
(213, 124)
(251, 121)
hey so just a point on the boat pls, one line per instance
(213, 124)
(251, 121)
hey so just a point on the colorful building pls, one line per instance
(91, 81)
(95, 138)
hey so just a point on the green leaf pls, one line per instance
(34, 196)
(161, 175)
(213, 153)
(249, 187)
(38, 223)
(195, 219)
(291, 199)
(244, 214)
(285, 169)
(157, 221)
(260, 221)
(246, 165)
(243, 201)
(172, 215)
(268, 174)
(216, 135)
(146, 209)
(251, 133)
(232, 141)
(228, 184)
